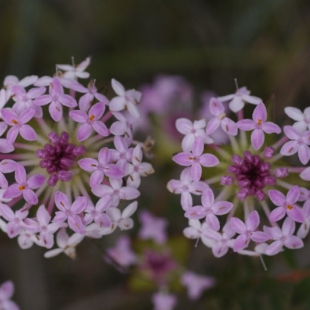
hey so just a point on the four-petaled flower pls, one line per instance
(18, 124)
(70, 212)
(90, 121)
(56, 98)
(286, 205)
(220, 119)
(196, 159)
(209, 209)
(125, 99)
(259, 126)
(24, 186)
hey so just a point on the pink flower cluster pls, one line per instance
(156, 264)
(68, 159)
(246, 195)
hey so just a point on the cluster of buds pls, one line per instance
(156, 263)
(246, 195)
(69, 162)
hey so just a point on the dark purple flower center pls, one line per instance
(251, 174)
(158, 264)
(58, 157)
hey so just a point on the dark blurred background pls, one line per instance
(263, 43)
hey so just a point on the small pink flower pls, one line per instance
(196, 159)
(300, 143)
(238, 99)
(56, 99)
(259, 125)
(24, 186)
(75, 71)
(286, 205)
(18, 125)
(100, 167)
(191, 130)
(70, 212)
(282, 237)
(125, 99)
(196, 284)
(152, 227)
(247, 231)
(186, 186)
(90, 121)
(220, 119)
(122, 253)
(209, 209)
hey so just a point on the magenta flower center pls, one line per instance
(158, 264)
(251, 174)
(58, 157)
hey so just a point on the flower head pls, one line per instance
(246, 174)
(54, 159)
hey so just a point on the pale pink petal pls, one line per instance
(118, 87)
(207, 198)
(277, 198)
(237, 225)
(43, 100)
(270, 127)
(291, 132)
(304, 154)
(97, 110)
(79, 205)
(30, 196)
(216, 107)
(28, 133)
(236, 104)
(88, 164)
(117, 104)
(196, 171)
(293, 242)
(296, 214)
(246, 124)
(62, 201)
(288, 227)
(43, 216)
(76, 224)
(184, 125)
(252, 221)
(96, 178)
(213, 124)
(20, 174)
(289, 148)
(251, 99)
(277, 214)
(229, 126)
(257, 138)
(240, 243)
(208, 160)
(260, 113)
(84, 131)
(196, 213)
(78, 116)
(294, 113)
(213, 221)
(101, 128)
(222, 207)
(55, 110)
(274, 248)
(36, 181)
(12, 134)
